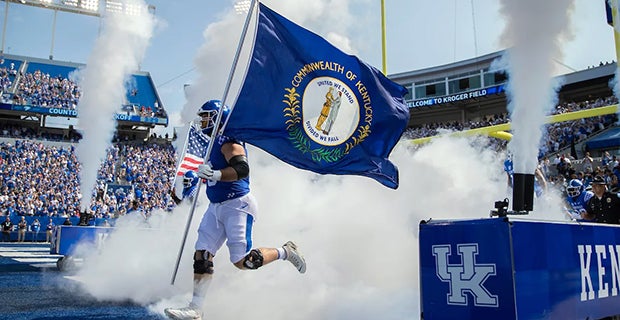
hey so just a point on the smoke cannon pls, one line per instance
(523, 192)
(522, 197)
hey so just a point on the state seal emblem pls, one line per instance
(324, 118)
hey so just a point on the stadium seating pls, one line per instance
(41, 179)
(52, 84)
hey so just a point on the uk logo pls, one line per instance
(467, 278)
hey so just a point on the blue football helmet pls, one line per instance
(574, 188)
(190, 179)
(208, 114)
(190, 184)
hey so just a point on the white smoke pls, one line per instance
(359, 238)
(534, 32)
(116, 54)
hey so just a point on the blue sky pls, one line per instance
(420, 34)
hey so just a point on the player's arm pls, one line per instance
(570, 211)
(541, 178)
(238, 167)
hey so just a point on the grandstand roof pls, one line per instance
(608, 140)
(55, 62)
(447, 70)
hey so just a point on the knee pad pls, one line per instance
(253, 260)
(203, 262)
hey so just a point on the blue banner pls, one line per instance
(456, 97)
(62, 112)
(519, 269)
(315, 107)
(136, 118)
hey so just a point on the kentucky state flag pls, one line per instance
(315, 107)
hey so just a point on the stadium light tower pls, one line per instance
(94, 8)
(87, 7)
(242, 7)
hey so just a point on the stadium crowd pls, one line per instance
(43, 180)
(6, 76)
(558, 135)
(43, 90)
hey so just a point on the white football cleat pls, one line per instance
(294, 256)
(191, 312)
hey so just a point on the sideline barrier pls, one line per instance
(66, 238)
(507, 268)
(44, 220)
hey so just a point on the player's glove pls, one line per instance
(206, 172)
(575, 216)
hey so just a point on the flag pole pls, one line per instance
(215, 130)
(187, 225)
(244, 32)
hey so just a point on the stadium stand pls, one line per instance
(38, 165)
(41, 180)
(472, 89)
(471, 94)
(38, 91)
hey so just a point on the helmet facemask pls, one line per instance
(190, 179)
(573, 191)
(574, 188)
(207, 121)
(208, 114)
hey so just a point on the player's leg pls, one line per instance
(211, 236)
(257, 258)
(238, 221)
